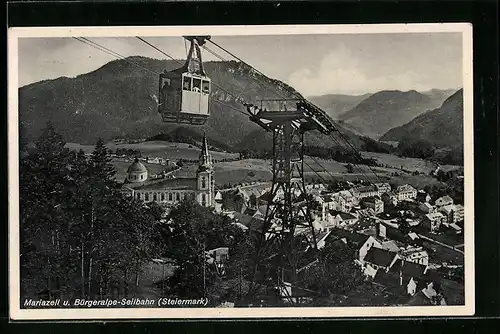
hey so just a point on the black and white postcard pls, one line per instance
(240, 171)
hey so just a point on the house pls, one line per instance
(428, 293)
(338, 218)
(373, 203)
(382, 188)
(423, 197)
(390, 245)
(434, 220)
(426, 207)
(405, 192)
(379, 259)
(449, 212)
(365, 213)
(389, 198)
(442, 201)
(389, 230)
(364, 191)
(415, 255)
(358, 241)
(348, 197)
(401, 275)
(366, 246)
(333, 202)
(410, 269)
(394, 281)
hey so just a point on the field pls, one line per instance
(172, 151)
(233, 172)
(411, 164)
(249, 170)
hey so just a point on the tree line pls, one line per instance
(79, 236)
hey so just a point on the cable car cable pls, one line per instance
(180, 63)
(279, 95)
(122, 57)
(111, 52)
(293, 93)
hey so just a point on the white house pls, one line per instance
(405, 192)
(434, 220)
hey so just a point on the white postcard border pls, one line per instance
(16, 313)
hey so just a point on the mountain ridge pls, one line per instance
(118, 100)
(442, 126)
(387, 109)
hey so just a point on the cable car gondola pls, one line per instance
(184, 92)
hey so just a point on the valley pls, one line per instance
(230, 170)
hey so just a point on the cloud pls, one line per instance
(340, 71)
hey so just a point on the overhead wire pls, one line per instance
(179, 62)
(122, 57)
(356, 153)
(112, 53)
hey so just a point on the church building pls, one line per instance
(173, 190)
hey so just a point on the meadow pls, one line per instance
(167, 150)
(412, 164)
(248, 170)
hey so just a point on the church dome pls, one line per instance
(136, 167)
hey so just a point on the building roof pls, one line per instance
(365, 189)
(390, 245)
(169, 184)
(427, 205)
(387, 279)
(385, 185)
(389, 194)
(136, 167)
(444, 199)
(434, 215)
(405, 187)
(343, 215)
(380, 257)
(448, 208)
(356, 239)
(409, 269)
(419, 299)
(371, 199)
(412, 269)
(346, 194)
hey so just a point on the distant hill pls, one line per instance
(118, 100)
(384, 110)
(443, 127)
(439, 95)
(337, 104)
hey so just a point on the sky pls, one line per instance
(312, 64)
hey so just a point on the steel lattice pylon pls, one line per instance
(289, 206)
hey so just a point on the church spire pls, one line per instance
(204, 154)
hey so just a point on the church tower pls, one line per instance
(204, 174)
